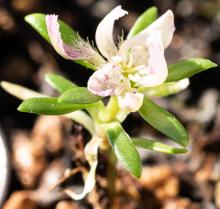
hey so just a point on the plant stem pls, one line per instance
(95, 110)
(111, 176)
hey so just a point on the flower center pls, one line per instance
(135, 61)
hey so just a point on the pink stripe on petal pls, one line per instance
(74, 53)
(105, 81)
(70, 52)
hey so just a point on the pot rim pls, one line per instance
(4, 167)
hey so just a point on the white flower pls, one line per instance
(137, 62)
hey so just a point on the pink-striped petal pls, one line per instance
(164, 25)
(78, 51)
(104, 32)
(130, 102)
(105, 81)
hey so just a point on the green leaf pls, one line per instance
(165, 89)
(78, 95)
(48, 106)
(164, 122)
(37, 21)
(145, 19)
(123, 147)
(157, 146)
(188, 68)
(59, 83)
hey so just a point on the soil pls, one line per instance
(42, 148)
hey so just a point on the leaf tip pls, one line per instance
(153, 9)
(138, 173)
(21, 108)
(205, 63)
(182, 151)
(7, 86)
(3, 84)
(29, 18)
(212, 64)
(47, 76)
(184, 142)
(24, 106)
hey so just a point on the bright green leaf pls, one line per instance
(164, 122)
(59, 83)
(62, 84)
(145, 19)
(78, 95)
(37, 21)
(123, 147)
(48, 106)
(188, 68)
(157, 146)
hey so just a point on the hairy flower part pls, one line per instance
(104, 33)
(137, 62)
(78, 50)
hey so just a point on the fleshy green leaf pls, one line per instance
(188, 68)
(164, 122)
(165, 89)
(59, 83)
(48, 106)
(78, 95)
(145, 19)
(123, 147)
(37, 21)
(62, 84)
(157, 146)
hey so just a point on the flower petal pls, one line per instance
(104, 36)
(130, 102)
(139, 55)
(156, 71)
(77, 51)
(104, 81)
(164, 25)
(125, 85)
